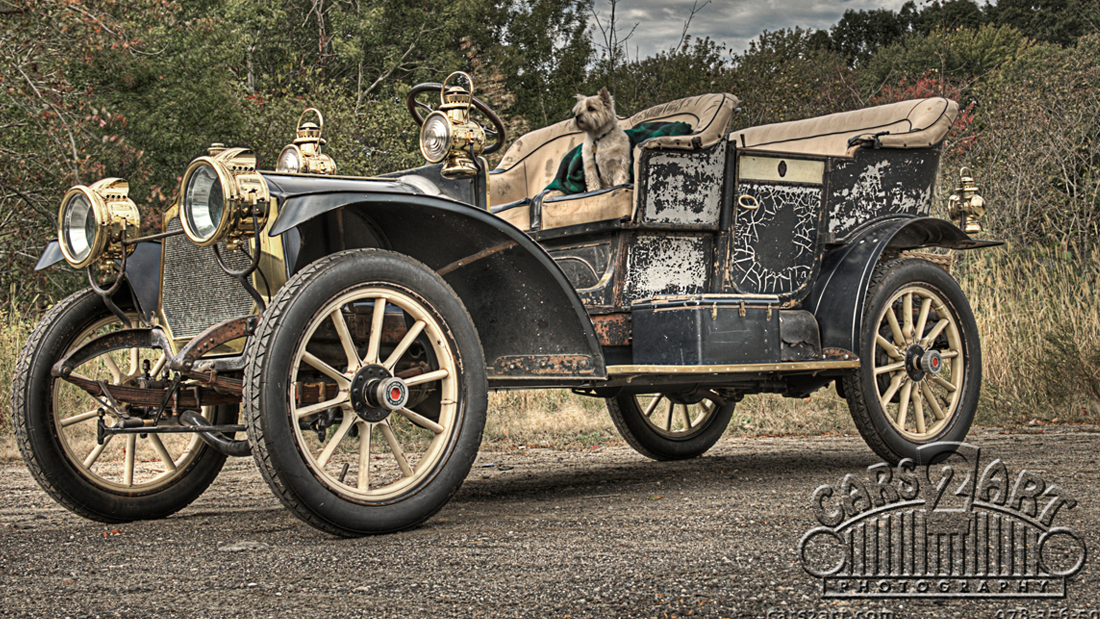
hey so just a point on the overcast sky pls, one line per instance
(733, 22)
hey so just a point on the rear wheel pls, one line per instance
(921, 373)
(365, 393)
(128, 477)
(668, 426)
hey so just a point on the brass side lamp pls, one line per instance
(966, 205)
(448, 134)
(304, 156)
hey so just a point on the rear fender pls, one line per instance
(533, 326)
(839, 293)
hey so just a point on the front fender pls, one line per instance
(142, 272)
(839, 293)
(533, 326)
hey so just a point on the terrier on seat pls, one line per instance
(606, 148)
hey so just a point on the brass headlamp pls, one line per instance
(966, 205)
(304, 155)
(448, 134)
(223, 197)
(92, 220)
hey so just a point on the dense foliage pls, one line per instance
(137, 88)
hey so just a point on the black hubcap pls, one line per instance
(913, 358)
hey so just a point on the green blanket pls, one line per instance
(570, 176)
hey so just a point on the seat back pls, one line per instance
(531, 162)
(918, 123)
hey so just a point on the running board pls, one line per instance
(739, 368)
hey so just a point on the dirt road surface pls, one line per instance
(592, 532)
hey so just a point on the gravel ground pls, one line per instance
(593, 532)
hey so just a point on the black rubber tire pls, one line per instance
(859, 386)
(37, 435)
(630, 420)
(266, 395)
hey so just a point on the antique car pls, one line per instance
(345, 331)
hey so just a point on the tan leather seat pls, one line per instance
(531, 162)
(918, 123)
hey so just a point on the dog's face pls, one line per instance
(592, 113)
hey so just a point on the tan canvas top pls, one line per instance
(918, 123)
(531, 162)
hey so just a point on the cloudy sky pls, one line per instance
(734, 22)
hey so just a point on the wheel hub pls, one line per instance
(375, 393)
(914, 362)
(931, 362)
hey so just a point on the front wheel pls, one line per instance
(921, 372)
(669, 426)
(124, 478)
(365, 393)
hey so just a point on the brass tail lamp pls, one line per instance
(966, 205)
(448, 135)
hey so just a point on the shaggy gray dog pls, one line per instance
(606, 148)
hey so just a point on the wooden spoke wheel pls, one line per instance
(366, 392)
(668, 427)
(921, 361)
(127, 477)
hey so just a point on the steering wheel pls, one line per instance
(496, 132)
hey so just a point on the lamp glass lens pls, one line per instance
(80, 226)
(204, 202)
(435, 138)
(289, 161)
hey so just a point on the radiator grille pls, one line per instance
(195, 292)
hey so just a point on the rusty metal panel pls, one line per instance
(879, 183)
(776, 244)
(543, 365)
(682, 189)
(665, 264)
(613, 329)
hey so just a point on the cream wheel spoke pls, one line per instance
(406, 341)
(907, 316)
(334, 442)
(346, 342)
(918, 412)
(922, 320)
(128, 469)
(377, 321)
(395, 449)
(892, 388)
(422, 421)
(899, 339)
(363, 483)
(94, 455)
(427, 377)
(935, 332)
(320, 406)
(687, 417)
(159, 365)
(158, 446)
(68, 421)
(668, 419)
(112, 367)
(886, 345)
(652, 406)
(893, 367)
(931, 398)
(135, 362)
(943, 383)
(951, 354)
(326, 369)
(903, 404)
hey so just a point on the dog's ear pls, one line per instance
(605, 96)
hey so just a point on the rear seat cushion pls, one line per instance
(919, 123)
